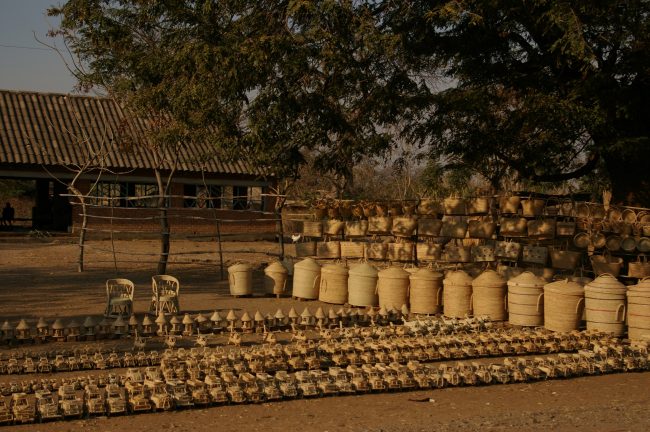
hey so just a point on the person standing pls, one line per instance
(8, 214)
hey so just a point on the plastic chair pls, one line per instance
(165, 296)
(119, 297)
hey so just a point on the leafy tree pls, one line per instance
(546, 90)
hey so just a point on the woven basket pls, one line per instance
(513, 227)
(629, 216)
(638, 310)
(581, 240)
(429, 227)
(563, 306)
(582, 210)
(628, 244)
(606, 264)
(392, 287)
(312, 228)
(357, 228)
(428, 251)
(483, 253)
(605, 305)
(453, 229)
(275, 278)
(362, 285)
(333, 227)
(541, 228)
(526, 300)
(507, 250)
(565, 259)
(306, 279)
(565, 228)
(404, 226)
(400, 252)
(613, 243)
(333, 284)
(379, 225)
(597, 211)
(533, 207)
(425, 292)
(534, 254)
(489, 295)
(478, 205)
(429, 206)
(331, 249)
(352, 249)
(509, 204)
(240, 277)
(598, 240)
(481, 229)
(306, 249)
(376, 251)
(457, 253)
(457, 294)
(454, 206)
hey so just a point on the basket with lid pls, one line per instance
(489, 295)
(306, 278)
(333, 284)
(457, 294)
(526, 300)
(362, 285)
(240, 277)
(425, 292)
(275, 278)
(392, 287)
(563, 305)
(605, 305)
(638, 310)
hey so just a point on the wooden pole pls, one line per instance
(220, 249)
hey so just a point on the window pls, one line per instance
(239, 197)
(200, 196)
(140, 192)
(104, 194)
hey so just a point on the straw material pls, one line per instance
(606, 264)
(429, 227)
(379, 225)
(613, 243)
(457, 294)
(306, 279)
(639, 268)
(566, 228)
(400, 252)
(454, 206)
(605, 305)
(479, 205)
(453, 229)
(428, 251)
(312, 228)
(513, 227)
(333, 227)
(362, 285)
(356, 228)
(533, 207)
(376, 251)
(275, 278)
(638, 309)
(425, 292)
(331, 249)
(565, 259)
(306, 249)
(563, 306)
(428, 206)
(509, 204)
(240, 277)
(333, 284)
(541, 228)
(490, 296)
(526, 300)
(404, 226)
(581, 240)
(351, 249)
(392, 287)
(629, 216)
(482, 229)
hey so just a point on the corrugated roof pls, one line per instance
(59, 129)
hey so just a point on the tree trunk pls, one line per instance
(82, 236)
(630, 178)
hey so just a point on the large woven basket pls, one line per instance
(392, 288)
(306, 279)
(362, 285)
(457, 294)
(425, 292)
(240, 277)
(606, 264)
(563, 306)
(638, 310)
(526, 300)
(275, 278)
(490, 296)
(333, 284)
(605, 305)
(639, 268)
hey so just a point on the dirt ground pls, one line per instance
(39, 278)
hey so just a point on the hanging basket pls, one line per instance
(376, 251)
(380, 225)
(513, 227)
(606, 264)
(533, 207)
(429, 206)
(400, 252)
(534, 254)
(404, 226)
(312, 228)
(333, 227)
(457, 253)
(639, 268)
(453, 229)
(542, 229)
(481, 229)
(429, 227)
(478, 206)
(565, 228)
(509, 204)
(428, 251)
(483, 253)
(454, 206)
(507, 250)
(357, 228)
(331, 249)
(565, 259)
(352, 249)
(306, 249)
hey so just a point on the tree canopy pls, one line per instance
(542, 90)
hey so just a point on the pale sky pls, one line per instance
(24, 63)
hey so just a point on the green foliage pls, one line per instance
(17, 188)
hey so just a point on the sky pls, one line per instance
(25, 64)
